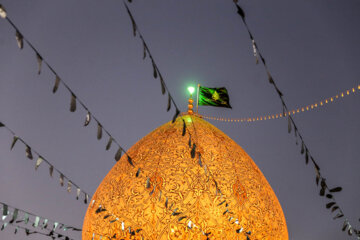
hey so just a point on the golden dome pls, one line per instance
(211, 191)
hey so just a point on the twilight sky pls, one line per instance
(311, 48)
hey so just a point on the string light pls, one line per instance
(291, 112)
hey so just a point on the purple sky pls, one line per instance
(311, 48)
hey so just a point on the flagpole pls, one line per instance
(197, 99)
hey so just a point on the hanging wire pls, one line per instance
(29, 150)
(324, 189)
(156, 71)
(74, 98)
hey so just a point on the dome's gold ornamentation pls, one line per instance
(222, 195)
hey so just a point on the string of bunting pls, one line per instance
(29, 152)
(15, 216)
(310, 107)
(74, 99)
(325, 190)
(156, 71)
(27, 231)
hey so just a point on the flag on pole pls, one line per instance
(216, 97)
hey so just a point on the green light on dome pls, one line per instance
(191, 90)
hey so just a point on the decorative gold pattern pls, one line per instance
(181, 200)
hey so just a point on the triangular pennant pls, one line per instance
(36, 222)
(302, 147)
(240, 11)
(39, 60)
(38, 162)
(2, 12)
(15, 214)
(289, 124)
(99, 131)
(26, 218)
(278, 91)
(255, 51)
(87, 119)
(118, 154)
(15, 138)
(108, 145)
(19, 39)
(69, 186)
(3, 226)
(51, 170)
(271, 80)
(86, 199)
(44, 224)
(155, 73)
(177, 112)
(138, 172)
(28, 152)
(130, 161)
(145, 49)
(163, 89)
(5, 211)
(78, 190)
(61, 179)
(56, 85)
(73, 103)
(55, 226)
(200, 162)
(193, 149)
(184, 128)
(169, 103)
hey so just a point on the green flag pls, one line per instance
(216, 97)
